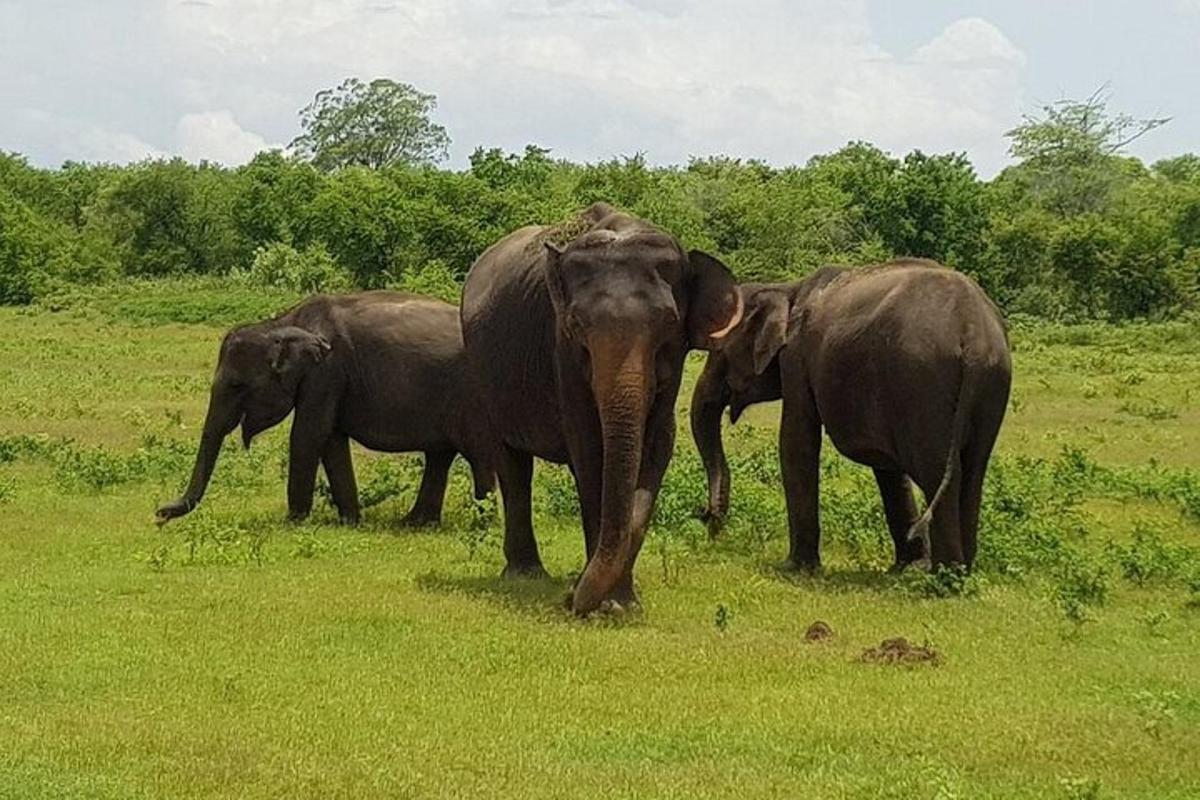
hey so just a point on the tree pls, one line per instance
(371, 125)
(1071, 156)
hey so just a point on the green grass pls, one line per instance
(232, 655)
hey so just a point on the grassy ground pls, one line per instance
(232, 655)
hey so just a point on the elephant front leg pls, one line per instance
(901, 511)
(303, 458)
(427, 510)
(800, 462)
(340, 471)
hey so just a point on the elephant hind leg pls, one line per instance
(970, 498)
(427, 510)
(515, 471)
(901, 512)
(945, 530)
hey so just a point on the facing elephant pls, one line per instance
(904, 365)
(385, 369)
(580, 347)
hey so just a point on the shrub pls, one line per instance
(434, 279)
(1081, 583)
(308, 271)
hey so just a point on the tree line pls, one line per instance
(1074, 229)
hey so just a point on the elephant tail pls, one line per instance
(962, 413)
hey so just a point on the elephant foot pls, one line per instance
(531, 571)
(622, 600)
(713, 520)
(349, 520)
(296, 517)
(803, 566)
(908, 552)
(420, 519)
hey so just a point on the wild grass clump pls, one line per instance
(941, 582)
(1031, 511)
(384, 478)
(1149, 557)
(1081, 584)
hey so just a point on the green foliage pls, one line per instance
(941, 583)
(373, 125)
(1075, 231)
(1081, 585)
(433, 280)
(281, 266)
(1149, 556)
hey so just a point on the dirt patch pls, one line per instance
(901, 651)
(818, 632)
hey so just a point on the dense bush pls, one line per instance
(1074, 230)
(281, 266)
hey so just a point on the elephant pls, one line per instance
(580, 348)
(905, 365)
(386, 369)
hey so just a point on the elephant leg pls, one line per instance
(970, 498)
(587, 485)
(520, 547)
(800, 463)
(427, 509)
(340, 471)
(901, 511)
(945, 530)
(304, 455)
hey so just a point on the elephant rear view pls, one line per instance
(905, 365)
(386, 369)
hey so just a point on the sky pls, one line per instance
(777, 80)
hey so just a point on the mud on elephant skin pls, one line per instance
(905, 365)
(386, 369)
(578, 335)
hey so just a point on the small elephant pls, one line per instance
(385, 369)
(906, 366)
(580, 348)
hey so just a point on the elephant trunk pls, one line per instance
(708, 402)
(219, 422)
(621, 385)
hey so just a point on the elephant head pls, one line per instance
(742, 372)
(628, 304)
(745, 370)
(259, 372)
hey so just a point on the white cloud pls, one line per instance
(670, 78)
(93, 143)
(77, 139)
(217, 136)
(970, 43)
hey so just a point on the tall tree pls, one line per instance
(374, 125)
(1072, 154)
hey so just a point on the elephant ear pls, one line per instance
(292, 348)
(714, 302)
(768, 322)
(552, 274)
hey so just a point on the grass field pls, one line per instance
(232, 655)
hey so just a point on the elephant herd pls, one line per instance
(569, 346)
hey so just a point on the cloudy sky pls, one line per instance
(779, 80)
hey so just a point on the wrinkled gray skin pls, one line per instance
(906, 366)
(385, 369)
(581, 352)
